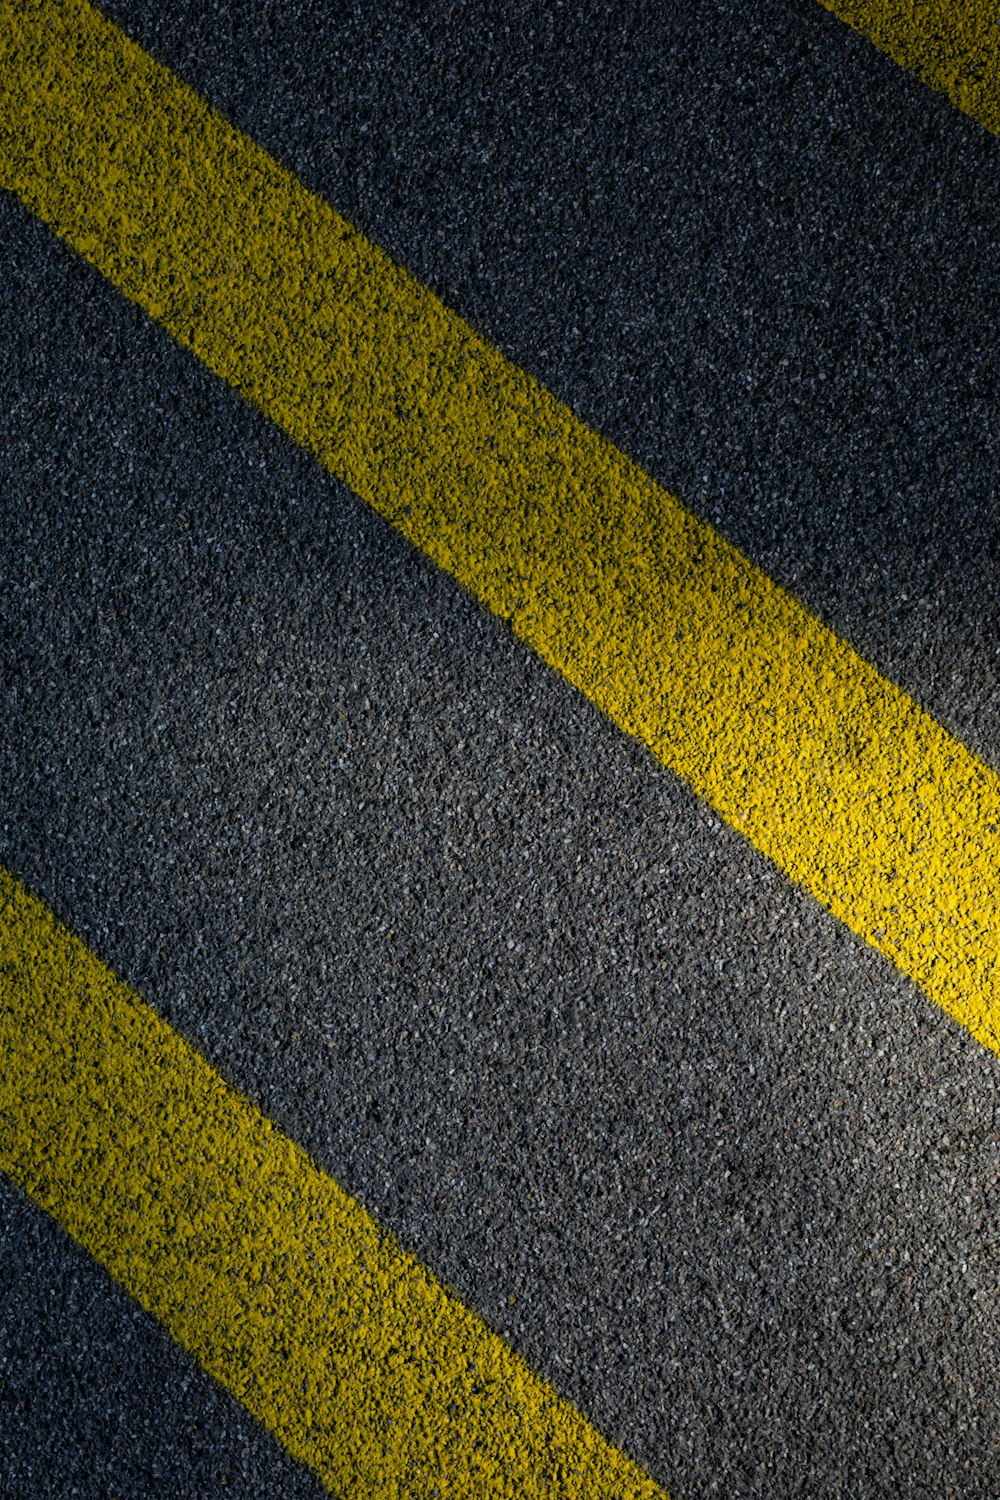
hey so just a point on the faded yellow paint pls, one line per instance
(277, 1281)
(827, 767)
(953, 48)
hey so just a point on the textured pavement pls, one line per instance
(711, 1164)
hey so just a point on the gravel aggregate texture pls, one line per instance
(712, 1165)
(828, 768)
(362, 1365)
(95, 1398)
(738, 240)
(954, 49)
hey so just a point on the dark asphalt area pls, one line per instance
(712, 1165)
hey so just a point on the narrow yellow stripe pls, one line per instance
(828, 768)
(278, 1282)
(955, 48)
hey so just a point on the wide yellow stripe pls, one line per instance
(828, 768)
(278, 1282)
(955, 48)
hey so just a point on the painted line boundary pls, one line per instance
(953, 48)
(279, 1283)
(828, 768)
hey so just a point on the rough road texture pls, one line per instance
(712, 1165)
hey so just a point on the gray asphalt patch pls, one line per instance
(735, 238)
(706, 1160)
(96, 1401)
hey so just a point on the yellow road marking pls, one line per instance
(828, 768)
(955, 48)
(279, 1283)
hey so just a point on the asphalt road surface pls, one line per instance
(711, 1164)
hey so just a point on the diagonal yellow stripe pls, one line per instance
(955, 48)
(824, 765)
(277, 1281)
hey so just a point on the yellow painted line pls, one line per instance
(278, 1282)
(275, 1279)
(955, 48)
(828, 768)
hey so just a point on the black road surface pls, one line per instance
(713, 1166)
